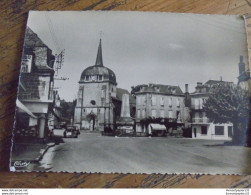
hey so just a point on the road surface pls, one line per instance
(91, 152)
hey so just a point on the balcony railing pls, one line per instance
(200, 120)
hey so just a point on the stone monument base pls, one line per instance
(125, 126)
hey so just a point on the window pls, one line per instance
(170, 114)
(154, 113)
(204, 130)
(87, 77)
(178, 115)
(230, 131)
(219, 130)
(178, 102)
(196, 103)
(143, 100)
(201, 103)
(26, 64)
(170, 102)
(162, 101)
(138, 113)
(138, 100)
(100, 77)
(162, 113)
(153, 100)
(143, 113)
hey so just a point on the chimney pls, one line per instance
(186, 88)
(187, 97)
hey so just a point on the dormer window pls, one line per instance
(87, 77)
(100, 77)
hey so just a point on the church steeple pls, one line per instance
(99, 59)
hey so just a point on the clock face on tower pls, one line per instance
(93, 78)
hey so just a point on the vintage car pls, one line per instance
(71, 131)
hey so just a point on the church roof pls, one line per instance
(99, 69)
(99, 59)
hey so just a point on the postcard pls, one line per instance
(133, 92)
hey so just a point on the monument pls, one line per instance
(125, 123)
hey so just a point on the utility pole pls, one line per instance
(81, 111)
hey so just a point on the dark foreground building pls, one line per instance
(35, 92)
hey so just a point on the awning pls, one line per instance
(158, 127)
(24, 108)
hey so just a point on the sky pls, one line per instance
(143, 47)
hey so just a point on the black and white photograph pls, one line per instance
(133, 92)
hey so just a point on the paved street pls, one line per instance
(95, 153)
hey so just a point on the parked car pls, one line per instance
(71, 131)
(61, 125)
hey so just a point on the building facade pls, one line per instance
(35, 93)
(162, 102)
(97, 86)
(202, 128)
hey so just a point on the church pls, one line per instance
(99, 100)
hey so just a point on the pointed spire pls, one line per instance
(99, 59)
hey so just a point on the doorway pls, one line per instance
(195, 132)
(92, 124)
(92, 121)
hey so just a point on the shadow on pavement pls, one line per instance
(57, 140)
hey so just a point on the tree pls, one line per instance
(229, 103)
(67, 109)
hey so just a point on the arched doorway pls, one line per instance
(92, 121)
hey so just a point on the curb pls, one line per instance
(49, 145)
